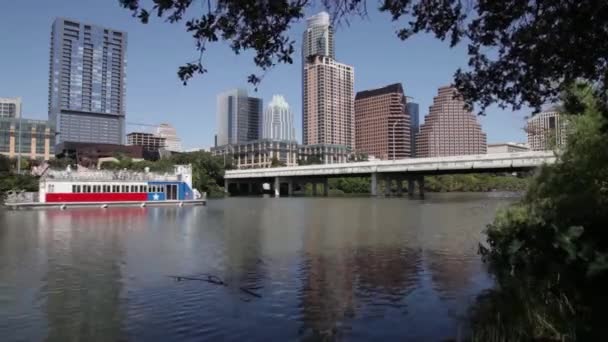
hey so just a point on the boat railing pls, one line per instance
(121, 175)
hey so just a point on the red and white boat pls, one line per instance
(106, 188)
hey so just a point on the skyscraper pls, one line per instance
(10, 107)
(546, 131)
(239, 117)
(328, 109)
(382, 124)
(318, 39)
(414, 114)
(450, 129)
(327, 88)
(278, 120)
(168, 132)
(87, 82)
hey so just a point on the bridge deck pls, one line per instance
(442, 165)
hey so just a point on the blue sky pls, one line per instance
(155, 94)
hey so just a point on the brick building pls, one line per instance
(382, 124)
(450, 129)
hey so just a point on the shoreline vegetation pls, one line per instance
(548, 252)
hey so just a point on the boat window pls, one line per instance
(152, 188)
(142, 188)
(51, 188)
(124, 188)
(115, 188)
(95, 188)
(106, 188)
(162, 188)
(74, 188)
(133, 188)
(86, 188)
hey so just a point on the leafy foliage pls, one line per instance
(275, 162)
(521, 52)
(553, 245)
(474, 183)
(207, 170)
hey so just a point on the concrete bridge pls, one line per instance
(388, 171)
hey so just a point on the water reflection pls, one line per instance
(318, 268)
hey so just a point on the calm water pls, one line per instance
(294, 269)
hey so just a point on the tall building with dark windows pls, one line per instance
(87, 82)
(450, 129)
(239, 117)
(382, 124)
(414, 114)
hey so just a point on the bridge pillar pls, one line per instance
(326, 187)
(410, 186)
(399, 186)
(226, 186)
(374, 184)
(314, 188)
(277, 187)
(249, 188)
(290, 186)
(421, 186)
(388, 184)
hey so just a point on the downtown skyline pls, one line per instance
(155, 95)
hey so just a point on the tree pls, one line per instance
(5, 164)
(275, 162)
(521, 52)
(549, 252)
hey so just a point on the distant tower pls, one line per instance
(329, 108)
(87, 82)
(327, 88)
(239, 117)
(414, 114)
(318, 39)
(10, 107)
(546, 131)
(450, 129)
(169, 133)
(278, 120)
(382, 123)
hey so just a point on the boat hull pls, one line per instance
(108, 204)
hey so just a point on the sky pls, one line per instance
(154, 52)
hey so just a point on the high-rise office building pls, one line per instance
(318, 39)
(169, 133)
(87, 82)
(327, 88)
(148, 141)
(35, 139)
(10, 107)
(450, 129)
(382, 124)
(546, 131)
(239, 117)
(278, 121)
(329, 109)
(414, 114)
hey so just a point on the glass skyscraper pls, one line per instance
(87, 82)
(414, 113)
(239, 117)
(278, 121)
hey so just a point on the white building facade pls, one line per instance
(172, 141)
(278, 121)
(546, 131)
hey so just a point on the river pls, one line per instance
(287, 269)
